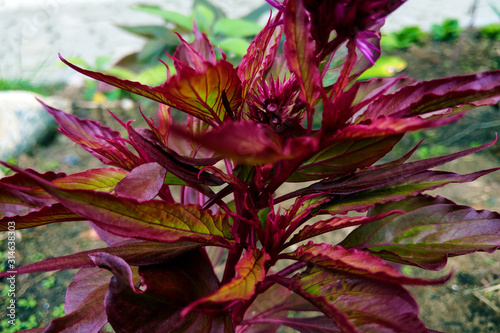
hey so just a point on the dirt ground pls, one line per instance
(469, 302)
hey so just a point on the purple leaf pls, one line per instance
(383, 176)
(170, 160)
(168, 287)
(410, 186)
(320, 324)
(84, 304)
(133, 252)
(142, 183)
(358, 304)
(335, 223)
(15, 201)
(344, 157)
(267, 305)
(432, 230)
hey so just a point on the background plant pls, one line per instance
(202, 236)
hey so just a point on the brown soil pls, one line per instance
(469, 302)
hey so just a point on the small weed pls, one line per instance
(48, 283)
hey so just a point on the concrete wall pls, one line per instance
(33, 32)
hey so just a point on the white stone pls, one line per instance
(23, 120)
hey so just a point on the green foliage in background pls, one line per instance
(447, 31)
(403, 38)
(231, 35)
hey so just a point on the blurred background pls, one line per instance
(424, 39)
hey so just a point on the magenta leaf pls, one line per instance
(142, 183)
(458, 93)
(357, 304)
(354, 262)
(432, 230)
(101, 141)
(133, 252)
(20, 180)
(167, 288)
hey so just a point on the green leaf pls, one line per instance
(150, 31)
(169, 16)
(204, 18)
(238, 46)
(236, 28)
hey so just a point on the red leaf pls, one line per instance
(260, 55)
(299, 50)
(462, 92)
(152, 220)
(143, 182)
(198, 93)
(250, 271)
(355, 262)
(101, 141)
(251, 143)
